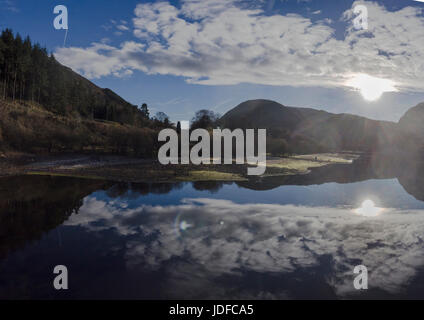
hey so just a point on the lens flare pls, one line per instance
(371, 88)
(368, 209)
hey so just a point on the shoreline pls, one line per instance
(129, 169)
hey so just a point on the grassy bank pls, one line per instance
(127, 169)
(28, 127)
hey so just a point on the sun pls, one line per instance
(368, 209)
(371, 88)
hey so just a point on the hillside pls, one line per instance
(28, 127)
(413, 120)
(29, 73)
(47, 107)
(303, 130)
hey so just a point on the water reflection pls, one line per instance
(226, 239)
(368, 209)
(286, 239)
(31, 206)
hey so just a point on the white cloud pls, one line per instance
(9, 5)
(223, 42)
(122, 27)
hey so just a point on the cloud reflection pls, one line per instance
(228, 239)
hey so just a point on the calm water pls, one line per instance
(276, 239)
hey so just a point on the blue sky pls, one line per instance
(174, 56)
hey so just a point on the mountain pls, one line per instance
(309, 130)
(29, 73)
(46, 107)
(412, 121)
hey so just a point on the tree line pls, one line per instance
(29, 73)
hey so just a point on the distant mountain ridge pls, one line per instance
(310, 130)
(29, 75)
(412, 121)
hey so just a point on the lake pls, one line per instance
(280, 238)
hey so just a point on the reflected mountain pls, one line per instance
(33, 205)
(410, 174)
(360, 170)
(121, 189)
(412, 179)
(30, 206)
(193, 240)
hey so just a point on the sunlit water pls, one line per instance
(209, 240)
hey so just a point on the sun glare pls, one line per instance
(371, 88)
(368, 209)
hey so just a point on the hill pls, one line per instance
(46, 106)
(29, 73)
(304, 130)
(30, 128)
(412, 121)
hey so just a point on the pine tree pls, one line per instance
(2, 49)
(17, 62)
(25, 68)
(8, 41)
(145, 111)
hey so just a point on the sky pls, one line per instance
(182, 56)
